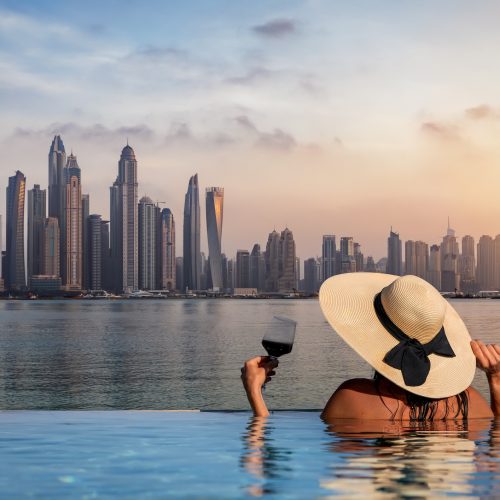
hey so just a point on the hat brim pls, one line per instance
(346, 301)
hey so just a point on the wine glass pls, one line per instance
(279, 339)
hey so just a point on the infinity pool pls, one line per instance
(128, 454)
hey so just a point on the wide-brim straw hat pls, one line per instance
(417, 309)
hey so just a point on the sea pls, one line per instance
(178, 354)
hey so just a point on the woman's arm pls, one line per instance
(255, 373)
(488, 360)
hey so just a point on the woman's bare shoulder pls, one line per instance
(478, 406)
(355, 398)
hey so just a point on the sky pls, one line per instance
(326, 117)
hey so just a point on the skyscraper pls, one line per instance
(272, 259)
(51, 247)
(328, 255)
(242, 269)
(124, 224)
(57, 178)
(106, 263)
(231, 272)
(257, 268)
(486, 263)
(224, 271)
(191, 236)
(434, 272)
(179, 273)
(205, 276)
(14, 273)
(370, 265)
(147, 243)
(421, 259)
(410, 257)
(394, 257)
(450, 276)
(468, 265)
(297, 273)
(37, 212)
(85, 241)
(497, 261)
(167, 260)
(95, 254)
(287, 275)
(348, 263)
(57, 193)
(359, 258)
(311, 275)
(72, 258)
(214, 212)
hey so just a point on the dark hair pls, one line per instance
(424, 409)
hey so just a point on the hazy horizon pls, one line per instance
(328, 118)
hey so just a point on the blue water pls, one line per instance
(185, 354)
(132, 454)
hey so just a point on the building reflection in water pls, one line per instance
(389, 459)
(372, 459)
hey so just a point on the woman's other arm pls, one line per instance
(255, 373)
(488, 360)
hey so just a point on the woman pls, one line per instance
(418, 345)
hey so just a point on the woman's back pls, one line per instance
(381, 399)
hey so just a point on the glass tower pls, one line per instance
(73, 265)
(36, 222)
(147, 243)
(214, 211)
(15, 277)
(124, 224)
(57, 192)
(167, 260)
(191, 236)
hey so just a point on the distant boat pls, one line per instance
(140, 294)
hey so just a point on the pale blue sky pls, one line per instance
(341, 113)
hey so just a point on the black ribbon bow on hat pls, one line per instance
(410, 356)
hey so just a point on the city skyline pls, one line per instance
(142, 245)
(338, 136)
(57, 201)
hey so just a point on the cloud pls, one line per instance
(222, 139)
(156, 54)
(278, 139)
(90, 132)
(251, 77)
(482, 112)
(445, 131)
(179, 132)
(276, 28)
(21, 25)
(246, 123)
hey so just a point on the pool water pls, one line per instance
(130, 454)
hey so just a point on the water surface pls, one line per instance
(132, 454)
(176, 354)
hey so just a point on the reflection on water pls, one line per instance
(165, 354)
(176, 354)
(379, 459)
(262, 458)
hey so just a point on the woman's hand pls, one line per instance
(258, 371)
(487, 358)
(254, 374)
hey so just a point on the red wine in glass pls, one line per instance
(279, 339)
